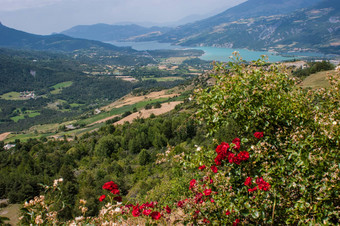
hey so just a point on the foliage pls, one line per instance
(313, 67)
(282, 167)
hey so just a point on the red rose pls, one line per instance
(115, 191)
(243, 155)
(252, 189)
(212, 200)
(218, 160)
(236, 222)
(180, 203)
(102, 198)
(136, 211)
(147, 212)
(155, 215)
(222, 148)
(258, 135)
(231, 157)
(264, 186)
(248, 182)
(237, 143)
(207, 192)
(167, 209)
(206, 221)
(192, 184)
(227, 213)
(202, 167)
(110, 186)
(214, 168)
(237, 160)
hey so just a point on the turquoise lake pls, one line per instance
(210, 53)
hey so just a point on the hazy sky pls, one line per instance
(48, 16)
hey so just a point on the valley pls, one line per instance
(123, 124)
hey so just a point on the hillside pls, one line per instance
(240, 151)
(13, 38)
(313, 26)
(105, 32)
(43, 87)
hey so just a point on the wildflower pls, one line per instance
(227, 213)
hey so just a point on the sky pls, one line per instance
(53, 16)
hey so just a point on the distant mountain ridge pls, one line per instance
(106, 32)
(13, 38)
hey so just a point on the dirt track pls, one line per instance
(4, 135)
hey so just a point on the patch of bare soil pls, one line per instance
(4, 135)
(166, 107)
(12, 211)
(130, 99)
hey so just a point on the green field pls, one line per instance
(58, 87)
(50, 129)
(30, 114)
(26, 136)
(163, 79)
(11, 96)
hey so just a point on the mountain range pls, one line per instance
(105, 32)
(279, 25)
(13, 38)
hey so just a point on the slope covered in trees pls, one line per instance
(251, 148)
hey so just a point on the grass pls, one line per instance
(58, 87)
(317, 80)
(24, 137)
(11, 96)
(163, 79)
(76, 105)
(29, 113)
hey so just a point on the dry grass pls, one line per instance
(317, 80)
(166, 107)
(130, 99)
